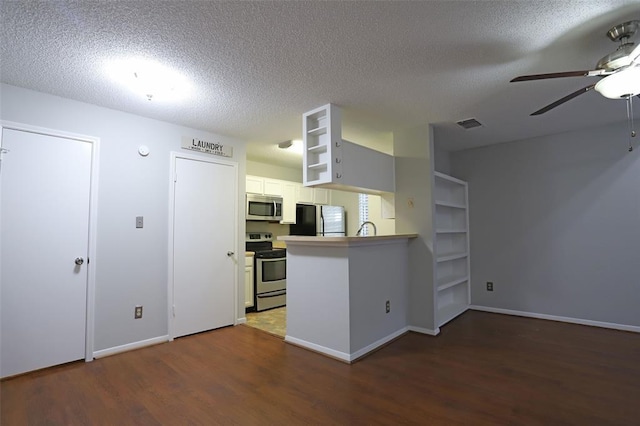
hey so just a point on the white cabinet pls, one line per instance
(248, 281)
(321, 128)
(272, 187)
(289, 192)
(263, 186)
(330, 161)
(310, 195)
(304, 194)
(321, 196)
(255, 185)
(451, 226)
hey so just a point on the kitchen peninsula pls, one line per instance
(346, 296)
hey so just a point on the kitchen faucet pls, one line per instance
(375, 230)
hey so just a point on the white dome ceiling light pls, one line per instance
(620, 84)
(149, 78)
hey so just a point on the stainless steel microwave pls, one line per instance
(264, 207)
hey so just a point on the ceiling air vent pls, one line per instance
(469, 123)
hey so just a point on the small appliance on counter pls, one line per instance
(321, 221)
(269, 269)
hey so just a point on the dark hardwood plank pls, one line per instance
(483, 369)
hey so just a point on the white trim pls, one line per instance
(172, 184)
(343, 356)
(614, 326)
(93, 220)
(378, 343)
(130, 346)
(424, 330)
(242, 320)
(449, 178)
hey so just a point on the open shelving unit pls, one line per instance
(332, 162)
(320, 127)
(451, 225)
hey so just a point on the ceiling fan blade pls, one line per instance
(585, 73)
(563, 100)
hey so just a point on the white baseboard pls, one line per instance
(130, 346)
(343, 356)
(375, 345)
(242, 320)
(614, 326)
(424, 330)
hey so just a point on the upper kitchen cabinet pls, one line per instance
(273, 187)
(332, 162)
(264, 186)
(255, 185)
(310, 195)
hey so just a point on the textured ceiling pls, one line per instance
(255, 67)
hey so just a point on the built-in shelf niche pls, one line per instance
(452, 262)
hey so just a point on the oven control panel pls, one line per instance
(257, 237)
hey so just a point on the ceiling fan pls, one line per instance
(619, 72)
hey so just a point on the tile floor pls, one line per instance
(273, 321)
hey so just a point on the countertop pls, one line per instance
(344, 241)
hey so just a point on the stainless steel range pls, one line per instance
(269, 271)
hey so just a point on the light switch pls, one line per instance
(139, 221)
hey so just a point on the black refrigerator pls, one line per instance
(321, 221)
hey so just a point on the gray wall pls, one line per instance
(555, 224)
(131, 264)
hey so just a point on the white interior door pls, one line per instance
(44, 228)
(204, 229)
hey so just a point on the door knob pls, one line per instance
(230, 253)
(79, 261)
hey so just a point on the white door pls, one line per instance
(44, 228)
(204, 229)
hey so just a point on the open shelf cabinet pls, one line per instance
(451, 237)
(332, 162)
(320, 127)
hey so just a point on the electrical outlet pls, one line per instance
(388, 307)
(137, 314)
(139, 221)
(489, 286)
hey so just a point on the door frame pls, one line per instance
(93, 217)
(174, 156)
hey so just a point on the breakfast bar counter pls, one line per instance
(346, 296)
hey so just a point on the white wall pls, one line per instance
(348, 200)
(383, 226)
(131, 264)
(273, 171)
(441, 159)
(414, 164)
(555, 224)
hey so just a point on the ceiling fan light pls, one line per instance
(621, 84)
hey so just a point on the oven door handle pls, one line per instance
(271, 294)
(271, 259)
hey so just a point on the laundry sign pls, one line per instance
(214, 148)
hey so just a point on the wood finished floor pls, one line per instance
(483, 369)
